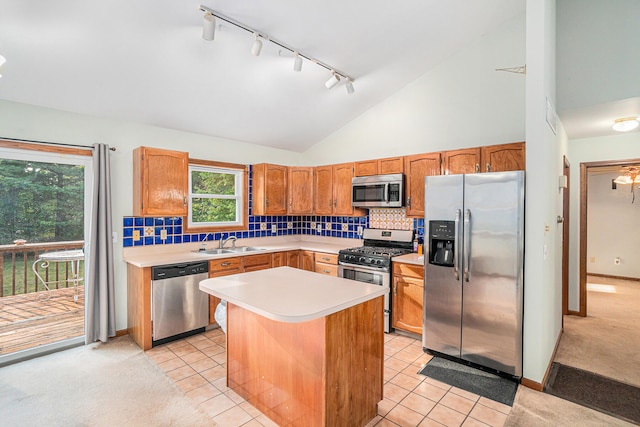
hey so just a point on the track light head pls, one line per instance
(208, 26)
(349, 86)
(257, 46)
(297, 62)
(334, 80)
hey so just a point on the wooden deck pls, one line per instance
(26, 321)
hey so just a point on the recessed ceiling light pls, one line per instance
(625, 124)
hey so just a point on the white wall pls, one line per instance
(543, 296)
(23, 121)
(613, 226)
(610, 148)
(461, 103)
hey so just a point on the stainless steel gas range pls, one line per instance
(371, 263)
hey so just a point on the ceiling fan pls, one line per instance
(629, 175)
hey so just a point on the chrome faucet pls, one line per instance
(224, 241)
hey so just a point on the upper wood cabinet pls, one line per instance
(417, 167)
(461, 161)
(160, 182)
(269, 189)
(323, 190)
(379, 166)
(342, 175)
(300, 190)
(504, 157)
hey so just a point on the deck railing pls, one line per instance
(16, 268)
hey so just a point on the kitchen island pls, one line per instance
(304, 348)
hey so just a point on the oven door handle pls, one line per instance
(363, 269)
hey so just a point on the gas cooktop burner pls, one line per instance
(377, 250)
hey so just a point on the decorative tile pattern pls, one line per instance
(392, 219)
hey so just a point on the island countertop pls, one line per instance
(291, 295)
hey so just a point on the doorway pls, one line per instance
(45, 202)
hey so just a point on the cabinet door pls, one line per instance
(407, 304)
(391, 165)
(278, 259)
(293, 259)
(306, 260)
(160, 182)
(416, 168)
(461, 161)
(342, 175)
(217, 268)
(504, 157)
(300, 190)
(269, 189)
(323, 190)
(366, 168)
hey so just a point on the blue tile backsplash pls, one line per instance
(150, 228)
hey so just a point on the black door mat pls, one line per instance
(482, 383)
(594, 391)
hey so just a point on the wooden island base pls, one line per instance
(323, 372)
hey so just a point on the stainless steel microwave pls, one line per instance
(378, 191)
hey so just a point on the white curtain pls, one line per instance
(100, 319)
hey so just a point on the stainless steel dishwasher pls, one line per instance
(178, 307)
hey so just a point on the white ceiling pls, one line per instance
(145, 61)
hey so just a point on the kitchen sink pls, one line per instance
(215, 251)
(244, 249)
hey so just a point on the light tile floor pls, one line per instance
(197, 365)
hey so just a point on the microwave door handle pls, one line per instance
(386, 193)
(457, 243)
(467, 244)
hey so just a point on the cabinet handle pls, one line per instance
(266, 202)
(184, 201)
(477, 167)
(225, 264)
(324, 258)
(408, 202)
(335, 203)
(395, 289)
(326, 271)
(488, 167)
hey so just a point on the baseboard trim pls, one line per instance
(574, 313)
(540, 386)
(122, 332)
(609, 276)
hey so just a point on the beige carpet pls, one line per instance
(111, 384)
(607, 341)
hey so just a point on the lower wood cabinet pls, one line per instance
(326, 264)
(407, 297)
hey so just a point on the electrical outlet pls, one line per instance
(319, 227)
(274, 228)
(263, 226)
(360, 230)
(616, 261)
(136, 235)
(345, 227)
(163, 234)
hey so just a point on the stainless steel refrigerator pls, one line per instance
(473, 284)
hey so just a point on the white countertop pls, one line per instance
(413, 258)
(175, 254)
(291, 295)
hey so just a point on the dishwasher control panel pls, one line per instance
(176, 270)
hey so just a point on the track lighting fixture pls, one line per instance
(297, 62)
(334, 80)
(257, 45)
(208, 26)
(208, 32)
(349, 86)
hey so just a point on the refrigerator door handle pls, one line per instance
(467, 243)
(456, 237)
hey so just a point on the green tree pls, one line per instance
(41, 202)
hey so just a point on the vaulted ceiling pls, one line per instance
(146, 61)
